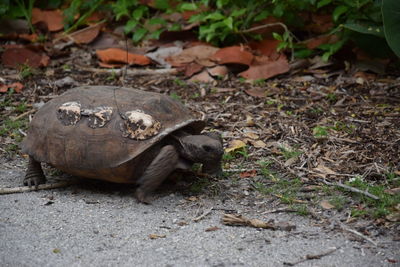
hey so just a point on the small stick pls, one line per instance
(359, 234)
(203, 215)
(352, 189)
(136, 72)
(21, 189)
(311, 257)
(24, 114)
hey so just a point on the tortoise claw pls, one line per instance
(33, 179)
(142, 196)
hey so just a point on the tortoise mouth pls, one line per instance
(212, 169)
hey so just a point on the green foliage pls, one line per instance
(391, 24)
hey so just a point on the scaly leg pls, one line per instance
(158, 170)
(34, 175)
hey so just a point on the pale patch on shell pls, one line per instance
(69, 113)
(139, 125)
(99, 116)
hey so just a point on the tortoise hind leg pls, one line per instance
(34, 175)
(158, 170)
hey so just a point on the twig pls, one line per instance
(352, 189)
(24, 114)
(358, 234)
(311, 257)
(203, 215)
(21, 189)
(135, 72)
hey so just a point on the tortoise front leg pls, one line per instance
(158, 170)
(34, 175)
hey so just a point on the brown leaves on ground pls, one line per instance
(113, 57)
(264, 67)
(86, 35)
(53, 19)
(17, 87)
(16, 56)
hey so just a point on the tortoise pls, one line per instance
(121, 135)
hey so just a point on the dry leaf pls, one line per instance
(256, 92)
(86, 35)
(233, 55)
(324, 171)
(264, 68)
(239, 220)
(248, 174)
(17, 86)
(235, 145)
(16, 56)
(203, 76)
(258, 144)
(266, 47)
(54, 19)
(251, 135)
(326, 205)
(116, 55)
(156, 236)
(200, 54)
(220, 71)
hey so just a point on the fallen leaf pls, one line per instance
(239, 220)
(256, 92)
(235, 145)
(213, 228)
(324, 171)
(258, 144)
(17, 86)
(326, 205)
(56, 250)
(192, 68)
(233, 55)
(156, 236)
(264, 68)
(203, 76)
(248, 174)
(266, 47)
(86, 35)
(14, 57)
(319, 40)
(52, 18)
(116, 55)
(199, 53)
(393, 191)
(251, 135)
(220, 71)
(162, 53)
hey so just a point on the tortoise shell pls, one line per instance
(103, 127)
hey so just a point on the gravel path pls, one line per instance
(103, 225)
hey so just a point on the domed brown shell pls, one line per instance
(80, 145)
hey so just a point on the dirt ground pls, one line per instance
(291, 140)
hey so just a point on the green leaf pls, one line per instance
(188, 7)
(175, 27)
(222, 3)
(303, 53)
(139, 34)
(238, 12)
(323, 3)
(154, 21)
(137, 14)
(262, 15)
(161, 4)
(339, 10)
(156, 34)
(391, 24)
(229, 22)
(130, 25)
(366, 28)
(215, 16)
(277, 36)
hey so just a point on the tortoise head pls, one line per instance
(206, 149)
